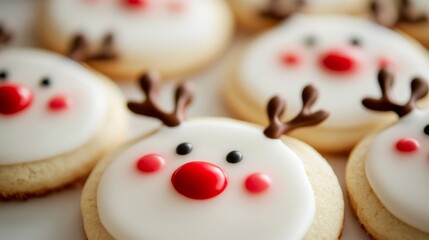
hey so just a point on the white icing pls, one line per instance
(261, 75)
(152, 32)
(134, 205)
(401, 180)
(37, 133)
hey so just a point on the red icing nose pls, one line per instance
(199, 180)
(135, 3)
(338, 62)
(14, 98)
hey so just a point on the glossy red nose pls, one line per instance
(199, 180)
(135, 3)
(338, 62)
(14, 98)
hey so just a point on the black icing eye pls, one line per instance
(184, 148)
(355, 42)
(45, 82)
(426, 129)
(3, 75)
(234, 157)
(310, 41)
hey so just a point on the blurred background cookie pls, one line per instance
(409, 16)
(341, 61)
(125, 38)
(260, 14)
(57, 118)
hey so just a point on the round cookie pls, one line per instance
(214, 178)
(57, 119)
(123, 38)
(342, 62)
(261, 14)
(411, 17)
(387, 174)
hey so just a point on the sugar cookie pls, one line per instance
(388, 173)
(342, 62)
(123, 38)
(57, 119)
(214, 178)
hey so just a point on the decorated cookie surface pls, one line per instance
(49, 105)
(206, 179)
(397, 165)
(209, 178)
(341, 61)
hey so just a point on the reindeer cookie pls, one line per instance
(214, 178)
(57, 119)
(409, 16)
(122, 38)
(388, 172)
(342, 62)
(260, 14)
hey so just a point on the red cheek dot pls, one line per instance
(59, 103)
(176, 6)
(290, 59)
(150, 163)
(257, 183)
(135, 3)
(407, 145)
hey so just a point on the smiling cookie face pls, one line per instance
(342, 61)
(49, 105)
(206, 179)
(397, 167)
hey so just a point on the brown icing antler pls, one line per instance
(277, 11)
(5, 34)
(79, 49)
(419, 89)
(149, 83)
(276, 107)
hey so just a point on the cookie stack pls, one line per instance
(305, 77)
